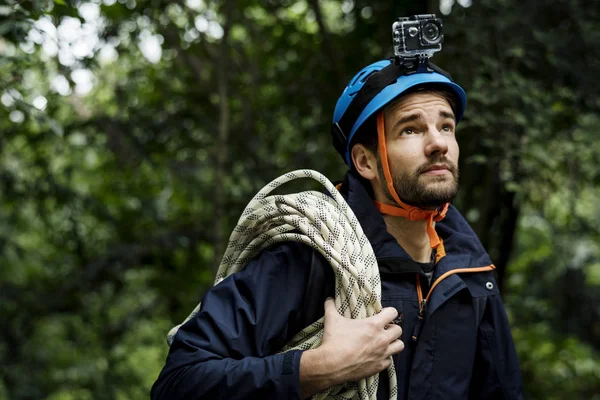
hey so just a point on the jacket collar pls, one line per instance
(463, 248)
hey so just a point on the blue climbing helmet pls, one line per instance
(377, 85)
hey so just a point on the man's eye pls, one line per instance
(448, 128)
(407, 131)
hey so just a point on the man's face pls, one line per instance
(422, 150)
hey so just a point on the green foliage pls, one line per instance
(556, 366)
(116, 202)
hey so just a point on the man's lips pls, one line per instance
(438, 169)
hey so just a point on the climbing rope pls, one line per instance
(327, 224)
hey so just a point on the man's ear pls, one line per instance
(364, 162)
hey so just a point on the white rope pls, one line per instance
(327, 224)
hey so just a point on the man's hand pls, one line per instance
(351, 349)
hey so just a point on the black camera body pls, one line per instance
(419, 36)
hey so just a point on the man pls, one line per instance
(443, 320)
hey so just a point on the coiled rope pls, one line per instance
(327, 224)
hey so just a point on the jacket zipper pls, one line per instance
(424, 301)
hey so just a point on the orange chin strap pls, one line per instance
(406, 211)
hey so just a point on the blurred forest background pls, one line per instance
(133, 133)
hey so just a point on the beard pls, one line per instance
(427, 192)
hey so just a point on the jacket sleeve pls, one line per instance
(228, 351)
(496, 373)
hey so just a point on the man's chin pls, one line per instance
(447, 177)
(441, 184)
(435, 197)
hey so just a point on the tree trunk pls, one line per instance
(220, 195)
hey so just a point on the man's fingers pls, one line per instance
(393, 331)
(330, 310)
(396, 347)
(386, 315)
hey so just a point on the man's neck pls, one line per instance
(411, 235)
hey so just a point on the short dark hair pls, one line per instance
(367, 133)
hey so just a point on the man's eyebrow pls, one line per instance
(405, 119)
(414, 117)
(446, 114)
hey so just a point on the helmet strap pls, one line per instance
(404, 210)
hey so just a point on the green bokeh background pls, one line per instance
(134, 132)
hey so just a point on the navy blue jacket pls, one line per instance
(464, 348)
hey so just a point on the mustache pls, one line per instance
(453, 168)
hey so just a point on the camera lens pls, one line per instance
(431, 32)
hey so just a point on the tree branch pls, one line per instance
(329, 50)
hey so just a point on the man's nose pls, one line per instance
(435, 142)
